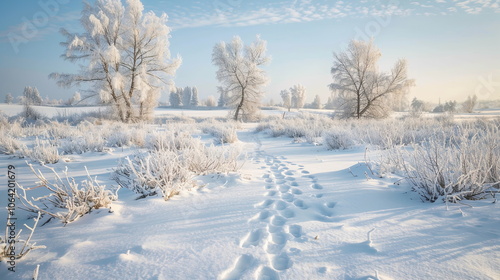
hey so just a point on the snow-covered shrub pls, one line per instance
(20, 247)
(43, 152)
(463, 164)
(64, 199)
(222, 132)
(156, 172)
(170, 140)
(10, 145)
(204, 160)
(172, 162)
(85, 142)
(337, 140)
(119, 138)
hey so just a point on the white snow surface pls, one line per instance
(294, 211)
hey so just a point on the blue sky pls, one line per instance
(452, 46)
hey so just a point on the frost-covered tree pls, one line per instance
(186, 96)
(298, 96)
(9, 98)
(330, 104)
(316, 103)
(362, 90)
(124, 54)
(31, 96)
(75, 99)
(222, 97)
(286, 96)
(240, 74)
(195, 102)
(210, 102)
(469, 104)
(175, 97)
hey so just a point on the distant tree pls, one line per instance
(450, 106)
(222, 97)
(31, 96)
(126, 56)
(9, 98)
(210, 101)
(330, 104)
(298, 96)
(194, 97)
(417, 105)
(362, 90)
(175, 97)
(469, 104)
(286, 95)
(74, 99)
(186, 96)
(240, 75)
(316, 103)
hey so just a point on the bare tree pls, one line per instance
(469, 104)
(240, 74)
(125, 54)
(287, 99)
(362, 90)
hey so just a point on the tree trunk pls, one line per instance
(240, 105)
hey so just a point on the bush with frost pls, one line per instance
(172, 162)
(223, 133)
(65, 199)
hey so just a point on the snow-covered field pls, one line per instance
(294, 210)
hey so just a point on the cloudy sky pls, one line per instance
(452, 46)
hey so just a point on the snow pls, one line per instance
(294, 211)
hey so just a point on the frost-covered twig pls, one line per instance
(8, 245)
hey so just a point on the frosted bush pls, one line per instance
(172, 162)
(159, 172)
(10, 145)
(119, 138)
(462, 165)
(337, 140)
(204, 160)
(170, 140)
(64, 199)
(43, 152)
(222, 132)
(85, 142)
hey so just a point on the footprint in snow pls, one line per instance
(295, 230)
(296, 191)
(264, 204)
(267, 273)
(252, 239)
(240, 266)
(300, 204)
(281, 262)
(317, 186)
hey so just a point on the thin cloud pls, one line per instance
(242, 13)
